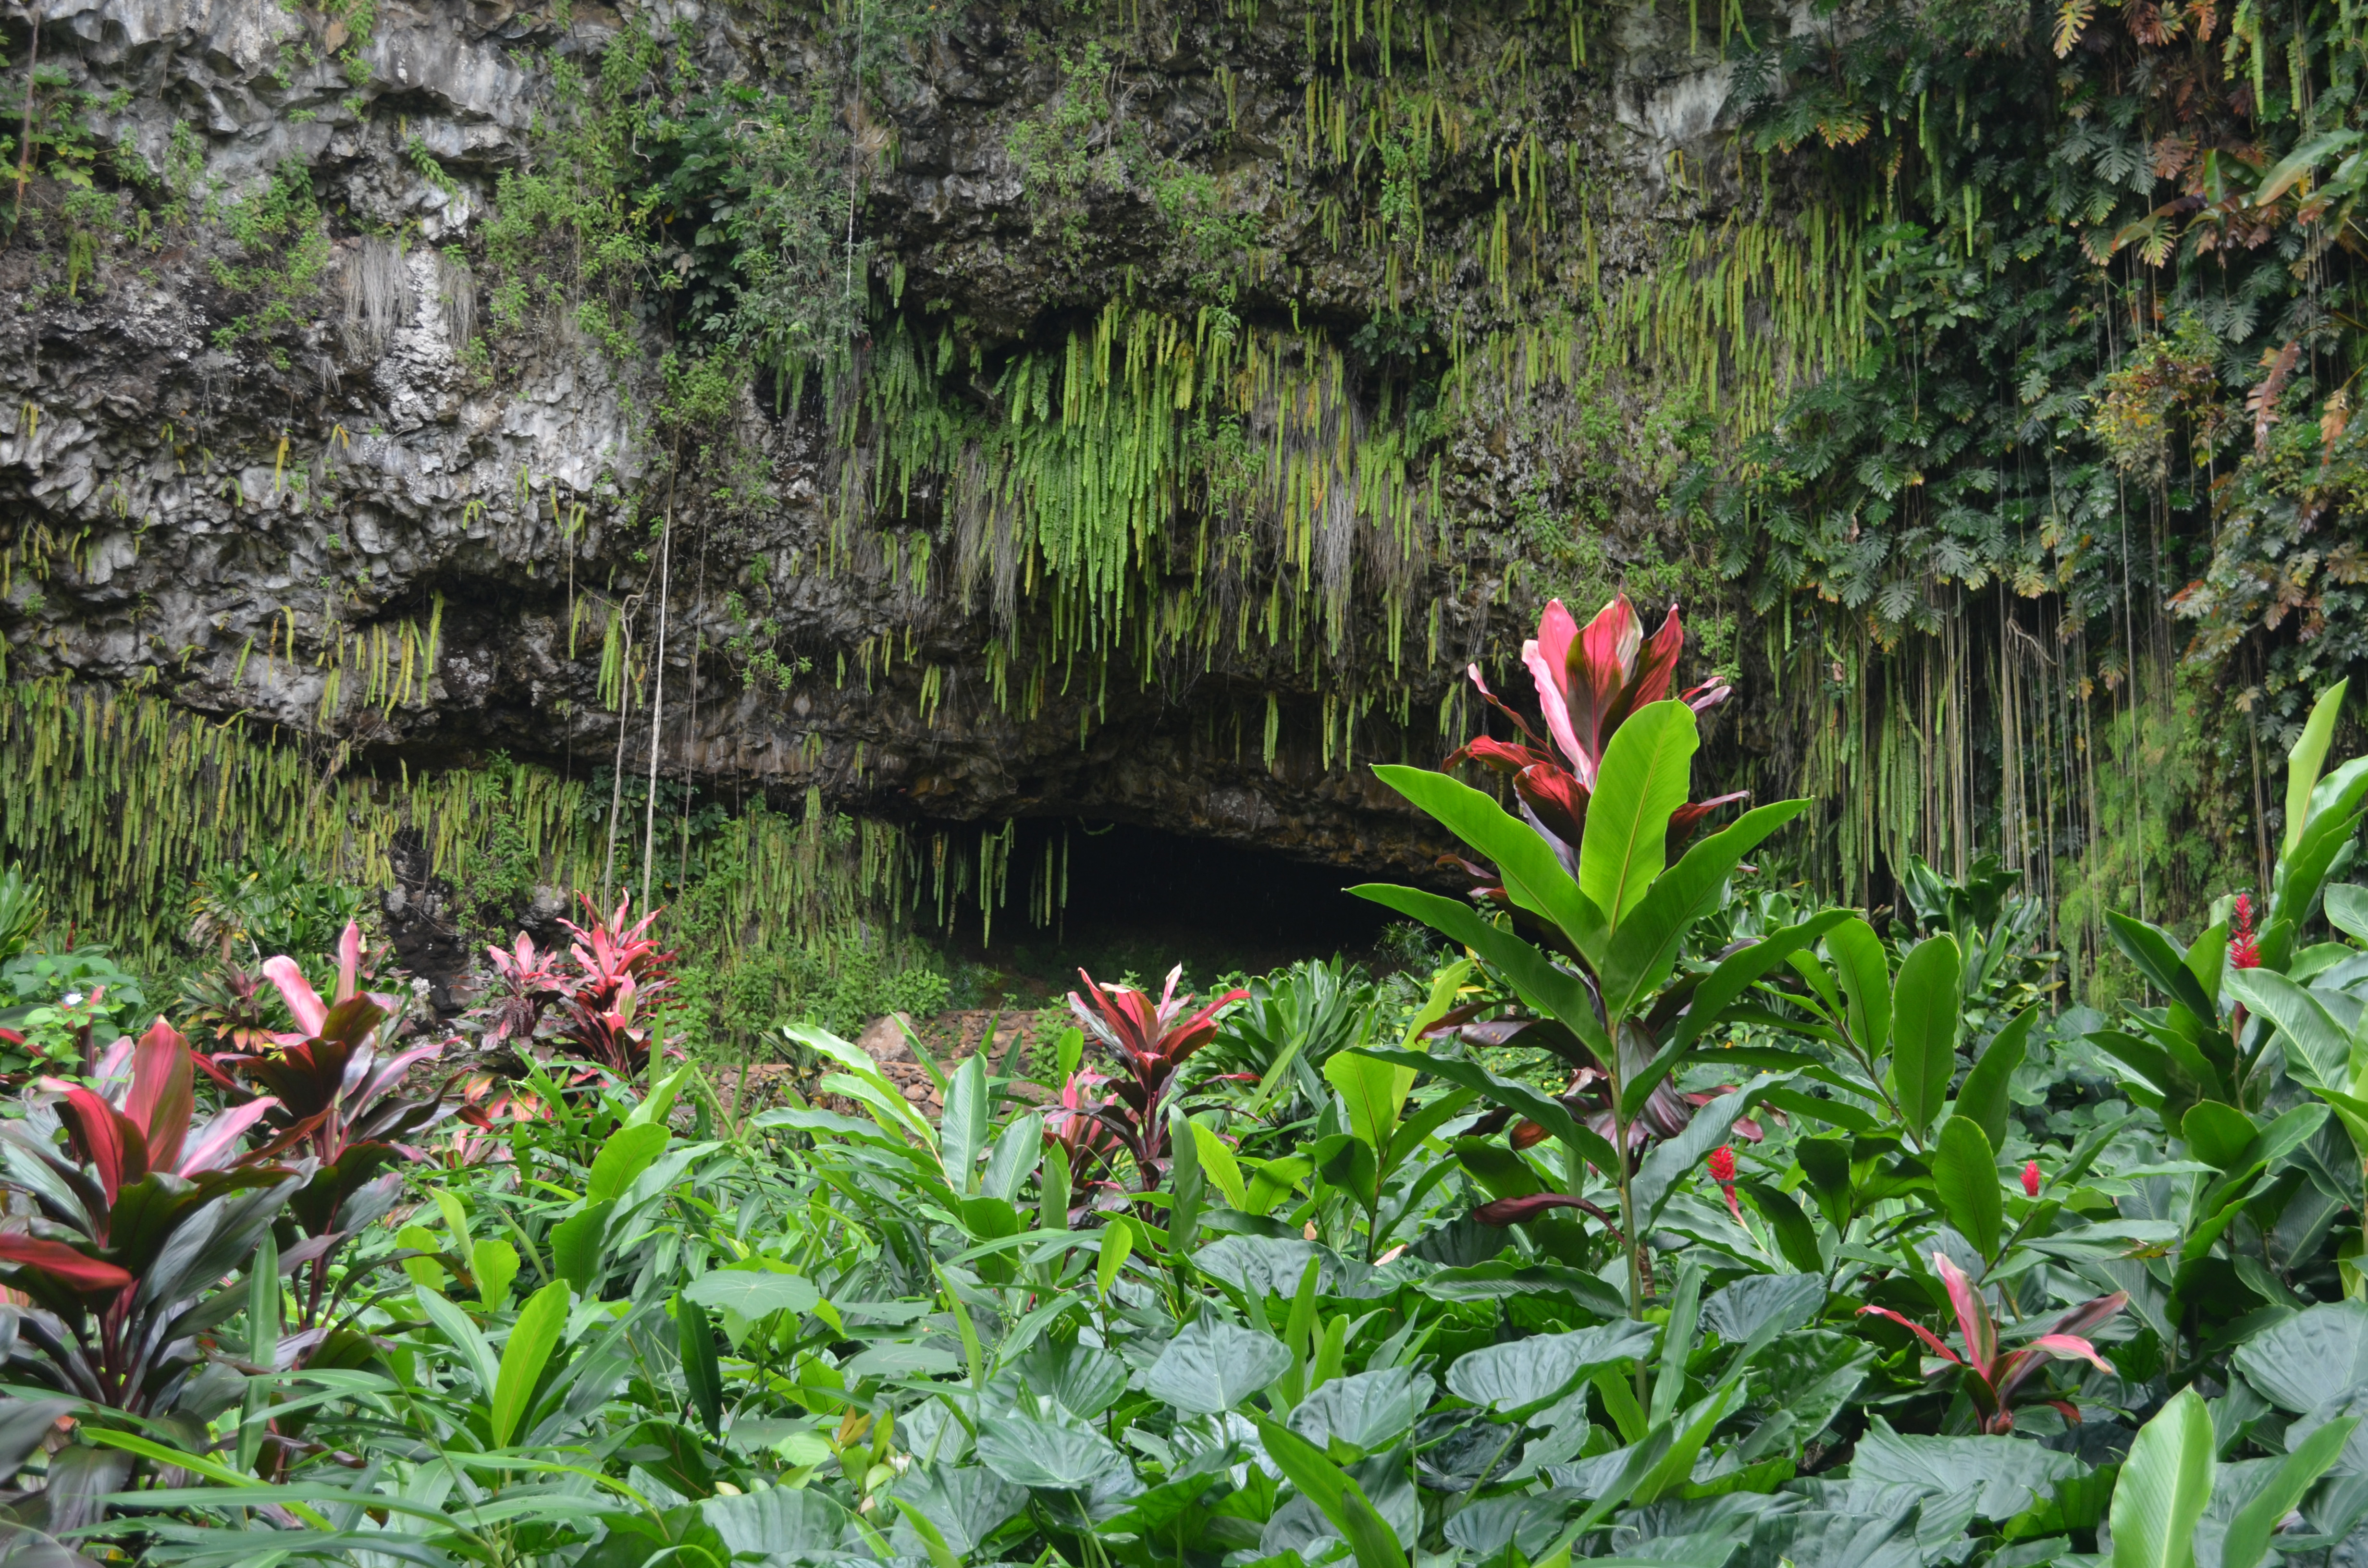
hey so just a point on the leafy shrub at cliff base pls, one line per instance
(1767, 1255)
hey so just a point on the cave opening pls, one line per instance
(1131, 900)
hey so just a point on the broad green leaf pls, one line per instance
(2165, 1484)
(2248, 1541)
(1865, 975)
(496, 1264)
(1645, 950)
(1050, 1455)
(1369, 1088)
(962, 1131)
(1643, 778)
(2305, 1361)
(1336, 1496)
(1525, 1375)
(2002, 1476)
(965, 1504)
(2304, 762)
(461, 1334)
(1982, 1098)
(1218, 1164)
(1534, 875)
(659, 1102)
(1677, 1343)
(577, 1243)
(2160, 960)
(1924, 1029)
(754, 1293)
(2319, 1049)
(2347, 910)
(2217, 1134)
(625, 1156)
(1211, 1366)
(1548, 988)
(1367, 1411)
(1118, 1240)
(1965, 1178)
(1014, 1157)
(695, 1341)
(791, 1522)
(533, 1337)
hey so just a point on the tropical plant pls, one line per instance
(1995, 1378)
(334, 1096)
(1585, 870)
(1152, 1040)
(612, 1006)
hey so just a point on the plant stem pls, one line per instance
(657, 699)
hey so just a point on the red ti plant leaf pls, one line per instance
(1152, 1040)
(1589, 681)
(105, 1138)
(77, 1272)
(1520, 1211)
(1995, 1381)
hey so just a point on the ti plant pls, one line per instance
(1152, 1040)
(135, 1223)
(335, 1096)
(1592, 927)
(612, 1006)
(1995, 1379)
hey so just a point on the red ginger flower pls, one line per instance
(1722, 1171)
(2244, 943)
(2031, 1179)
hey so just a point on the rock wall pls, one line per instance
(277, 521)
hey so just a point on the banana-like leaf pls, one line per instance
(1534, 875)
(2248, 1541)
(1644, 949)
(1924, 1029)
(1643, 780)
(1865, 975)
(2309, 753)
(1982, 1098)
(2164, 1485)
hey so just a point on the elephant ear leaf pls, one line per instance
(2164, 1486)
(2248, 1541)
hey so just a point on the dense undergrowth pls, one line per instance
(1661, 1222)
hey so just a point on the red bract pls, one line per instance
(1151, 1044)
(2031, 1179)
(2244, 942)
(1588, 682)
(622, 976)
(1993, 1381)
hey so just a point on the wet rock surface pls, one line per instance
(270, 524)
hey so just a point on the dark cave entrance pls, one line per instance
(1139, 901)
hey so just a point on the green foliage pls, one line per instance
(278, 228)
